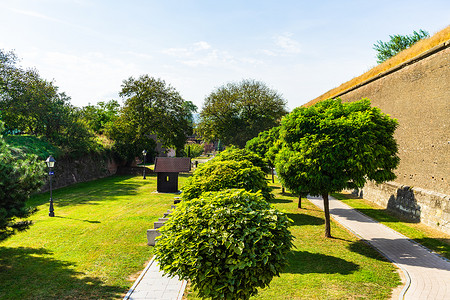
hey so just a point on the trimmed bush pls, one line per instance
(227, 243)
(219, 175)
(236, 154)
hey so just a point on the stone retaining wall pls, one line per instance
(412, 203)
(86, 168)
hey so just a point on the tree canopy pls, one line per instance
(397, 43)
(32, 105)
(333, 146)
(237, 112)
(151, 108)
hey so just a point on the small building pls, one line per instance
(167, 169)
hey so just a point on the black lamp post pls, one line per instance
(50, 164)
(144, 153)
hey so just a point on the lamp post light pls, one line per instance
(50, 164)
(144, 153)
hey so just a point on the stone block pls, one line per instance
(163, 219)
(151, 236)
(173, 207)
(158, 224)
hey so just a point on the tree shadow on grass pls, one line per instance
(304, 262)
(89, 192)
(88, 221)
(28, 273)
(365, 249)
(279, 200)
(302, 219)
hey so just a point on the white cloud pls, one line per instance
(284, 44)
(200, 54)
(287, 44)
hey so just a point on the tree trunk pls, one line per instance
(299, 201)
(326, 209)
(282, 189)
(273, 176)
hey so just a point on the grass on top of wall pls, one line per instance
(407, 54)
(93, 247)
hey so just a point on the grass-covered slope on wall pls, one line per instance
(407, 54)
(33, 145)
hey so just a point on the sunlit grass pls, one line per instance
(92, 247)
(407, 54)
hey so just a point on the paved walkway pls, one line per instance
(427, 274)
(153, 285)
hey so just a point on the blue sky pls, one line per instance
(299, 48)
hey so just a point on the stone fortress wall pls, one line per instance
(417, 94)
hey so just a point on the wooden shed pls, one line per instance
(167, 169)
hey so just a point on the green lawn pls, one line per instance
(92, 247)
(96, 245)
(425, 235)
(319, 268)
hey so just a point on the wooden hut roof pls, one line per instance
(172, 164)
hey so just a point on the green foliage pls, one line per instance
(101, 116)
(227, 243)
(33, 145)
(219, 175)
(19, 177)
(32, 105)
(151, 108)
(397, 43)
(237, 112)
(263, 143)
(236, 154)
(193, 150)
(333, 146)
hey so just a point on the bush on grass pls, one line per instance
(219, 175)
(227, 243)
(236, 154)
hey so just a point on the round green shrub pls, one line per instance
(219, 175)
(236, 154)
(227, 243)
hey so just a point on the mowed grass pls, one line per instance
(433, 239)
(319, 268)
(92, 249)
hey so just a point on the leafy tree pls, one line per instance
(227, 243)
(151, 107)
(194, 150)
(32, 105)
(397, 43)
(237, 112)
(219, 175)
(236, 154)
(333, 146)
(19, 177)
(101, 116)
(262, 144)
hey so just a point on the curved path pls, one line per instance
(427, 274)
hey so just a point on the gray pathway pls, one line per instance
(427, 274)
(153, 285)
